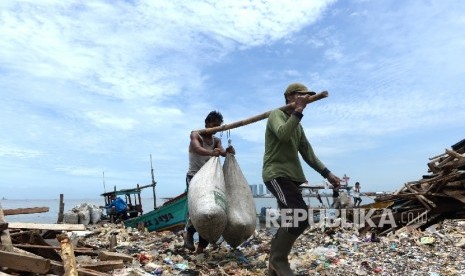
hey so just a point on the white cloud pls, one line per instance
(101, 119)
(19, 152)
(80, 171)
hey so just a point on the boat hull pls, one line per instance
(171, 216)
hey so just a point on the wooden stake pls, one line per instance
(61, 210)
(67, 254)
(103, 266)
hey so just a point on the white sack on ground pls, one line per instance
(206, 201)
(83, 211)
(242, 217)
(70, 217)
(345, 200)
(95, 214)
(84, 217)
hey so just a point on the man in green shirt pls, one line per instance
(283, 173)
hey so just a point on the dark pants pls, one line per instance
(189, 226)
(121, 215)
(289, 197)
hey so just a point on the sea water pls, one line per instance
(53, 204)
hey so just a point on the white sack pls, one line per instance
(206, 201)
(242, 217)
(71, 218)
(84, 217)
(345, 200)
(95, 214)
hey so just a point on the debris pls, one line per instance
(434, 198)
(315, 253)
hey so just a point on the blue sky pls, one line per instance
(97, 86)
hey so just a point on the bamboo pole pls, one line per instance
(259, 117)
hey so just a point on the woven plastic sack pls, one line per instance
(206, 201)
(95, 214)
(345, 200)
(71, 218)
(84, 217)
(242, 216)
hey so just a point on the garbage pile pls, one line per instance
(436, 197)
(115, 250)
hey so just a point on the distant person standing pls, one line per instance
(283, 174)
(357, 198)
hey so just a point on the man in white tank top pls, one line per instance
(201, 148)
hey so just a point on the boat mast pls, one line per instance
(153, 184)
(104, 188)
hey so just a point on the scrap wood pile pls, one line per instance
(37, 249)
(434, 198)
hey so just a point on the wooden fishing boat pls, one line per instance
(131, 197)
(172, 216)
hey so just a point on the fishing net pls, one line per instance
(241, 212)
(206, 201)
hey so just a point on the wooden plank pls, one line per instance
(34, 238)
(44, 226)
(58, 269)
(104, 265)
(418, 197)
(459, 195)
(89, 272)
(82, 249)
(109, 256)
(455, 154)
(21, 211)
(437, 156)
(427, 200)
(21, 262)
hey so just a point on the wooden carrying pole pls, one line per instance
(259, 117)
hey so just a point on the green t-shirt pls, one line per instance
(284, 139)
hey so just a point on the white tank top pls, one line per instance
(197, 161)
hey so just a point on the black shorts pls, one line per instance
(289, 197)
